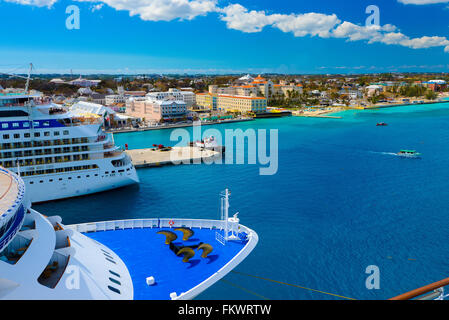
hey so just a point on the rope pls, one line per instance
(292, 285)
(244, 289)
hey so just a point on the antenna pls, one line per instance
(28, 78)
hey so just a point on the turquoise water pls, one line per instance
(341, 201)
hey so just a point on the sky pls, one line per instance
(221, 36)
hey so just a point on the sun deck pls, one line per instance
(9, 189)
(145, 254)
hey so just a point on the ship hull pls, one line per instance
(75, 184)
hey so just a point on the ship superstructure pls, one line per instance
(58, 154)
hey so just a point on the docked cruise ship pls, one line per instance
(143, 259)
(59, 154)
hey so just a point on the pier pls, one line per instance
(146, 158)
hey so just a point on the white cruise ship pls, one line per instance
(58, 154)
(143, 259)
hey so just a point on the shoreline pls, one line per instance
(327, 114)
(404, 104)
(175, 126)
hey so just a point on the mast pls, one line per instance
(27, 86)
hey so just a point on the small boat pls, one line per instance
(382, 124)
(409, 154)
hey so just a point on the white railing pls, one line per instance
(152, 223)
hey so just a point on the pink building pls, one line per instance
(155, 110)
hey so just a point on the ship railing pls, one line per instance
(433, 291)
(217, 225)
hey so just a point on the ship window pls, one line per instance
(4, 125)
(114, 273)
(37, 134)
(46, 123)
(6, 136)
(13, 113)
(16, 136)
(110, 260)
(114, 289)
(66, 132)
(27, 135)
(56, 133)
(26, 124)
(15, 125)
(115, 281)
(46, 133)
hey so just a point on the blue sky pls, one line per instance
(218, 36)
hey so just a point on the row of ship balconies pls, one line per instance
(44, 143)
(43, 160)
(60, 151)
(40, 152)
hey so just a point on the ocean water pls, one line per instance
(340, 202)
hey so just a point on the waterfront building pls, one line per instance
(206, 101)
(231, 103)
(436, 85)
(187, 96)
(153, 110)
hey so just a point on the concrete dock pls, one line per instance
(145, 158)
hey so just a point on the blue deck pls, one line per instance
(145, 254)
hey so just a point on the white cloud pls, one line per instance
(238, 17)
(315, 24)
(96, 7)
(325, 26)
(421, 2)
(162, 10)
(35, 3)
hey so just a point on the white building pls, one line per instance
(114, 99)
(174, 94)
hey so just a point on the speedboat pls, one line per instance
(409, 154)
(382, 124)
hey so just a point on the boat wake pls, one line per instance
(386, 153)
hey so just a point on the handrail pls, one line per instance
(423, 290)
